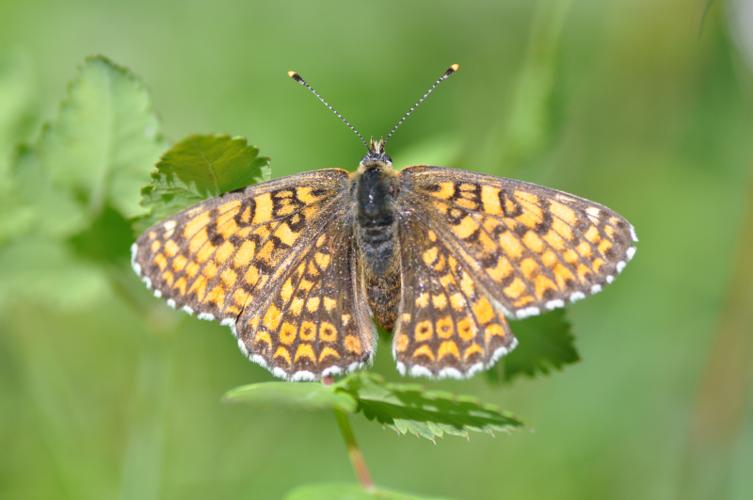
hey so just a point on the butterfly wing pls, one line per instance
(447, 325)
(227, 255)
(532, 248)
(316, 322)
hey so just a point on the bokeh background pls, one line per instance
(642, 105)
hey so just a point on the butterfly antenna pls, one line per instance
(450, 71)
(298, 78)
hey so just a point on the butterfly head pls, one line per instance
(376, 154)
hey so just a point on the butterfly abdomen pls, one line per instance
(376, 238)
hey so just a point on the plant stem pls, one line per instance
(354, 452)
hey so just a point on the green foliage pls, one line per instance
(106, 239)
(41, 206)
(105, 139)
(545, 343)
(69, 192)
(404, 408)
(410, 409)
(16, 104)
(16, 88)
(305, 396)
(199, 167)
(348, 491)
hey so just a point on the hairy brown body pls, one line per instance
(375, 188)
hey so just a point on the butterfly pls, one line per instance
(301, 268)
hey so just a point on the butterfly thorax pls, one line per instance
(376, 234)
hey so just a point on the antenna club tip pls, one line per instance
(452, 69)
(294, 75)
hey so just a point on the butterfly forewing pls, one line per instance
(531, 247)
(447, 324)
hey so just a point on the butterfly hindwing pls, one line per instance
(533, 248)
(447, 323)
(315, 322)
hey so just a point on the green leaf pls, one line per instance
(36, 205)
(304, 396)
(408, 408)
(210, 165)
(405, 408)
(68, 194)
(545, 343)
(107, 239)
(348, 491)
(16, 105)
(105, 139)
(198, 167)
(16, 216)
(97, 152)
(17, 90)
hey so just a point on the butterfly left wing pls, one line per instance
(532, 248)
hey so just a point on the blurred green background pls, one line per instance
(642, 105)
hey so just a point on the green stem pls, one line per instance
(354, 452)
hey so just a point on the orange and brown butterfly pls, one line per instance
(300, 268)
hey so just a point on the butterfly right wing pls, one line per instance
(315, 321)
